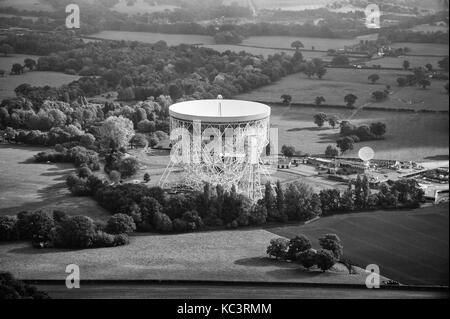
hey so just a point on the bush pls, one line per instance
(120, 224)
(40, 227)
(11, 288)
(76, 232)
(121, 240)
(277, 248)
(179, 225)
(325, 259)
(128, 167)
(84, 172)
(297, 245)
(307, 258)
(102, 239)
(162, 222)
(332, 243)
(8, 228)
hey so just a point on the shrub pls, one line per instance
(7, 228)
(297, 245)
(307, 258)
(102, 239)
(277, 248)
(162, 222)
(332, 243)
(128, 167)
(84, 172)
(325, 259)
(120, 224)
(179, 225)
(11, 288)
(40, 227)
(76, 232)
(121, 240)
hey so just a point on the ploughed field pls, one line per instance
(410, 246)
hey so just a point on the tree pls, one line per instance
(401, 81)
(374, 78)
(75, 232)
(138, 140)
(120, 224)
(345, 144)
(116, 132)
(333, 120)
(30, 64)
(280, 200)
(378, 129)
(16, 69)
(270, 202)
(379, 96)
(288, 151)
(277, 248)
(319, 100)
(287, 99)
(128, 167)
(424, 83)
(446, 87)
(320, 119)
(325, 259)
(406, 65)
(443, 64)
(350, 99)
(330, 200)
(429, 67)
(298, 244)
(332, 242)
(297, 45)
(307, 258)
(147, 177)
(331, 151)
(6, 49)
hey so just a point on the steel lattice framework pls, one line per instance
(218, 153)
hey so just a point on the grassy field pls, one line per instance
(140, 7)
(39, 78)
(29, 186)
(424, 48)
(410, 136)
(409, 246)
(238, 255)
(30, 5)
(150, 37)
(339, 82)
(415, 61)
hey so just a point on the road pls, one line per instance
(224, 291)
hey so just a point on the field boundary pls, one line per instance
(400, 287)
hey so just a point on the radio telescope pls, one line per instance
(220, 142)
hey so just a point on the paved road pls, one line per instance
(244, 291)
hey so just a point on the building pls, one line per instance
(284, 163)
(220, 142)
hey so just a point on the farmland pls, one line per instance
(339, 82)
(410, 136)
(37, 78)
(409, 246)
(30, 186)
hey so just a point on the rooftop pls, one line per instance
(219, 111)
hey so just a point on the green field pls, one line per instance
(150, 37)
(415, 61)
(29, 5)
(339, 82)
(140, 7)
(35, 78)
(424, 48)
(410, 246)
(410, 136)
(29, 186)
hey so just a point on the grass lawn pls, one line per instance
(410, 246)
(424, 48)
(238, 255)
(34, 78)
(410, 136)
(29, 186)
(149, 37)
(337, 83)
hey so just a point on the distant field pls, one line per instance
(294, 5)
(339, 82)
(410, 136)
(415, 61)
(10, 82)
(424, 48)
(410, 246)
(285, 42)
(30, 5)
(429, 28)
(140, 7)
(29, 186)
(149, 37)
